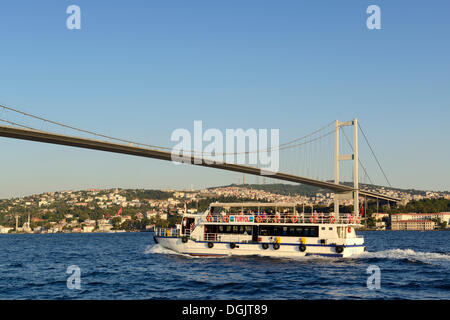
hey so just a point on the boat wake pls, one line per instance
(407, 254)
(158, 249)
(392, 254)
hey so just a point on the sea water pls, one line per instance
(412, 265)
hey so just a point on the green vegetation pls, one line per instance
(81, 206)
(424, 206)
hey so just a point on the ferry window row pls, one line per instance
(289, 231)
(228, 229)
(286, 231)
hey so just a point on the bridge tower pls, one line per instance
(342, 157)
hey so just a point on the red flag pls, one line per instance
(361, 211)
(120, 212)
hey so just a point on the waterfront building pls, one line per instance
(380, 216)
(380, 225)
(88, 229)
(104, 225)
(418, 225)
(39, 229)
(154, 214)
(4, 230)
(442, 216)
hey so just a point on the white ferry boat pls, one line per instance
(264, 229)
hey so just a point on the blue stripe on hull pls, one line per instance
(269, 243)
(334, 255)
(206, 254)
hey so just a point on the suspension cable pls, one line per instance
(283, 146)
(373, 153)
(80, 130)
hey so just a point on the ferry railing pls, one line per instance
(167, 232)
(211, 237)
(282, 218)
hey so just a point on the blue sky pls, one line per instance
(141, 69)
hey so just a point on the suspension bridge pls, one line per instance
(315, 159)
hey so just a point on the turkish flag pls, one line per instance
(120, 212)
(361, 211)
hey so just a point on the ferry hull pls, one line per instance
(201, 248)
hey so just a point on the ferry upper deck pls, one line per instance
(272, 213)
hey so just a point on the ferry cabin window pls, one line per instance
(285, 231)
(234, 229)
(289, 231)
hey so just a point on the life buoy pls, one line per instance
(276, 219)
(276, 246)
(302, 248)
(226, 219)
(350, 219)
(232, 245)
(210, 245)
(358, 220)
(294, 219)
(209, 218)
(332, 219)
(339, 249)
(313, 219)
(349, 229)
(259, 219)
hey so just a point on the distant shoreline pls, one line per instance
(121, 232)
(32, 233)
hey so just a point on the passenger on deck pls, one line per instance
(284, 216)
(277, 216)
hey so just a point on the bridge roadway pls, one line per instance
(52, 138)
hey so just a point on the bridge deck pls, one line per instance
(52, 138)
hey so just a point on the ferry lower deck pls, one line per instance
(273, 249)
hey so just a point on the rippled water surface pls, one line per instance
(414, 265)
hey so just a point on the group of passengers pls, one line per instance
(270, 215)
